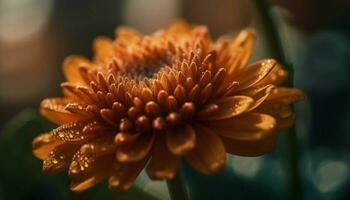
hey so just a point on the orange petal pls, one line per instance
(230, 107)
(74, 132)
(282, 112)
(255, 73)
(179, 27)
(209, 155)
(233, 65)
(54, 110)
(248, 126)
(126, 137)
(84, 161)
(245, 42)
(59, 158)
(44, 144)
(101, 168)
(258, 94)
(275, 108)
(124, 175)
(127, 35)
(180, 140)
(224, 55)
(286, 95)
(103, 49)
(163, 164)
(69, 91)
(275, 77)
(249, 148)
(81, 185)
(71, 66)
(135, 150)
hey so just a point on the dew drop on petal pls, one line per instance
(74, 167)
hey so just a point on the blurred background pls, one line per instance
(36, 35)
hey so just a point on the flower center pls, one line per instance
(139, 74)
(142, 71)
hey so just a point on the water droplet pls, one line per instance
(74, 167)
(86, 149)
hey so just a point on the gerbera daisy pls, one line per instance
(148, 101)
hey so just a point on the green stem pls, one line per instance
(290, 154)
(270, 29)
(177, 189)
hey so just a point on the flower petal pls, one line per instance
(234, 56)
(135, 150)
(44, 144)
(179, 27)
(180, 140)
(275, 77)
(79, 132)
(249, 148)
(163, 164)
(209, 155)
(258, 94)
(126, 137)
(103, 49)
(127, 35)
(90, 158)
(100, 169)
(81, 185)
(71, 67)
(282, 112)
(69, 91)
(255, 73)
(286, 95)
(59, 158)
(54, 110)
(230, 107)
(246, 127)
(245, 41)
(124, 175)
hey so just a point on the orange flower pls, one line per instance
(147, 101)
